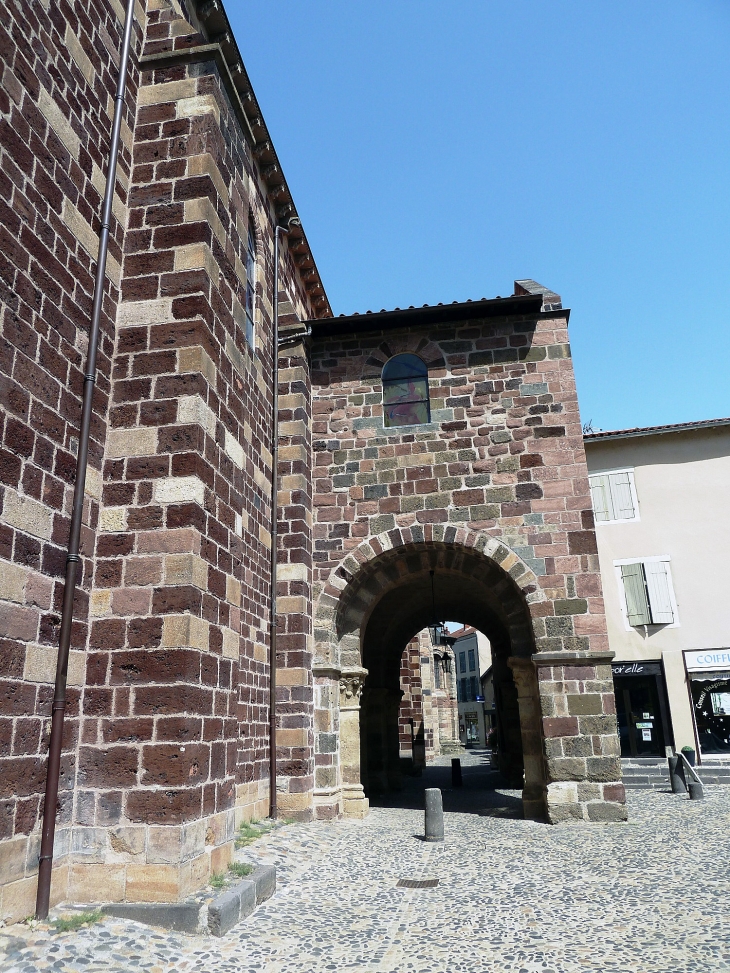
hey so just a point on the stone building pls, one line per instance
(166, 741)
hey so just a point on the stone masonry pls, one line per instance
(500, 470)
(166, 738)
(166, 745)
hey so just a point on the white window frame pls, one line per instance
(634, 497)
(622, 591)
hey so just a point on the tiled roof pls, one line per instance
(656, 430)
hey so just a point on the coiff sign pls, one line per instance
(707, 659)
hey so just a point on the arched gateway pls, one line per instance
(444, 440)
(381, 596)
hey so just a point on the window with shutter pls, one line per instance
(601, 497)
(648, 592)
(613, 496)
(622, 496)
(637, 604)
(657, 584)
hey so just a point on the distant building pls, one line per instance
(660, 503)
(473, 657)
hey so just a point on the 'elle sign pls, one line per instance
(707, 659)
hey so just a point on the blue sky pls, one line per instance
(437, 152)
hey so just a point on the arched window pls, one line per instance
(405, 391)
(250, 281)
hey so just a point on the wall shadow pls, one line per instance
(484, 791)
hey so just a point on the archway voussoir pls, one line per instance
(396, 537)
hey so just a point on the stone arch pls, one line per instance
(414, 344)
(490, 586)
(329, 604)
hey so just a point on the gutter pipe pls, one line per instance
(273, 810)
(45, 861)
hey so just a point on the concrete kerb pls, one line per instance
(202, 913)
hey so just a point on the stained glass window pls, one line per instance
(250, 282)
(405, 391)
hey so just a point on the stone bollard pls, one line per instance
(696, 791)
(434, 828)
(675, 777)
(456, 780)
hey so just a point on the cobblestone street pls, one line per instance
(644, 897)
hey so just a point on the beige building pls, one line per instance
(473, 657)
(660, 502)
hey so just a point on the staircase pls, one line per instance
(652, 773)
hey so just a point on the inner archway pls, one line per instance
(389, 601)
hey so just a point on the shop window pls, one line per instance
(711, 698)
(614, 496)
(648, 596)
(472, 661)
(250, 282)
(405, 391)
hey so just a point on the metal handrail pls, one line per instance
(689, 767)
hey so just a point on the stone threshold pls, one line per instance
(202, 913)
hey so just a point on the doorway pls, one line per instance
(640, 715)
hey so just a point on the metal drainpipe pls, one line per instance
(45, 861)
(274, 520)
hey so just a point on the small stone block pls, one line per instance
(224, 912)
(264, 878)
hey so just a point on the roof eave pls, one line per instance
(597, 437)
(435, 314)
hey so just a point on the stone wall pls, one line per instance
(166, 737)
(503, 457)
(57, 81)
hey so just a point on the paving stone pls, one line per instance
(514, 896)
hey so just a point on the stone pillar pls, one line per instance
(374, 728)
(327, 797)
(355, 804)
(534, 791)
(508, 723)
(581, 745)
(392, 739)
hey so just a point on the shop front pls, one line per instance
(642, 712)
(708, 677)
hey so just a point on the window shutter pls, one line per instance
(657, 584)
(601, 496)
(623, 501)
(637, 606)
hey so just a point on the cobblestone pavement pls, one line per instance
(644, 897)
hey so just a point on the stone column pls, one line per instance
(374, 730)
(392, 739)
(355, 804)
(581, 746)
(534, 792)
(509, 723)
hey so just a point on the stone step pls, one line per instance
(653, 773)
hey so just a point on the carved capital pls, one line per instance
(351, 683)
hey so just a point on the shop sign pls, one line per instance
(636, 668)
(707, 659)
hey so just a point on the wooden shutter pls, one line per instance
(621, 496)
(637, 605)
(601, 496)
(657, 583)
